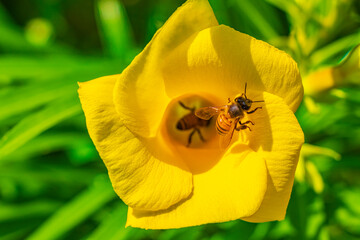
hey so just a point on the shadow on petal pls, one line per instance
(142, 213)
(212, 62)
(246, 72)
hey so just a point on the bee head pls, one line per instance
(243, 102)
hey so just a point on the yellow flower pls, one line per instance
(346, 73)
(168, 185)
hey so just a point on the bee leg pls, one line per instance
(254, 110)
(184, 106)
(229, 101)
(200, 135)
(190, 137)
(243, 126)
(247, 122)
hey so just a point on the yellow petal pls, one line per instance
(220, 60)
(138, 176)
(321, 80)
(277, 136)
(140, 94)
(232, 189)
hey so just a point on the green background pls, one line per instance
(53, 185)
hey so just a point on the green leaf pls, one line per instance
(36, 123)
(44, 174)
(328, 52)
(190, 233)
(348, 220)
(259, 17)
(20, 99)
(113, 226)
(350, 94)
(285, 5)
(261, 231)
(76, 210)
(351, 198)
(55, 67)
(283, 230)
(115, 28)
(25, 210)
(309, 150)
(13, 38)
(315, 218)
(18, 231)
(329, 114)
(47, 143)
(221, 11)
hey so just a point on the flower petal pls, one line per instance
(232, 189)
(138, 177)
(140, 95)
(220, 60)
(277, 136)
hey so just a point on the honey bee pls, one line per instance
(229, 117)
(191, 121)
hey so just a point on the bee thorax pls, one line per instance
(235, 111)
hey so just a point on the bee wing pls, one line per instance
(207, 112)
(225, 140)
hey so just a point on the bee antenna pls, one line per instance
(258, 101)
(245, 90)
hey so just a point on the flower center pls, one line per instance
(195, 140)
(184, 128)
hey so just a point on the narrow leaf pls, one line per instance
(341, 45)
(257, 18)
(46, 143)
(26, 210)
(113, 226)
(75, 211)
(36, 123)
(52, 174)
(19, 99)
(54, 67)
(115, 27)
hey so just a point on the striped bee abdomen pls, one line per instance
(223, 124)
(190, 121)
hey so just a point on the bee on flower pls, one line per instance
(130, 117)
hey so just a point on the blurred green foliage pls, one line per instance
(53, 184)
